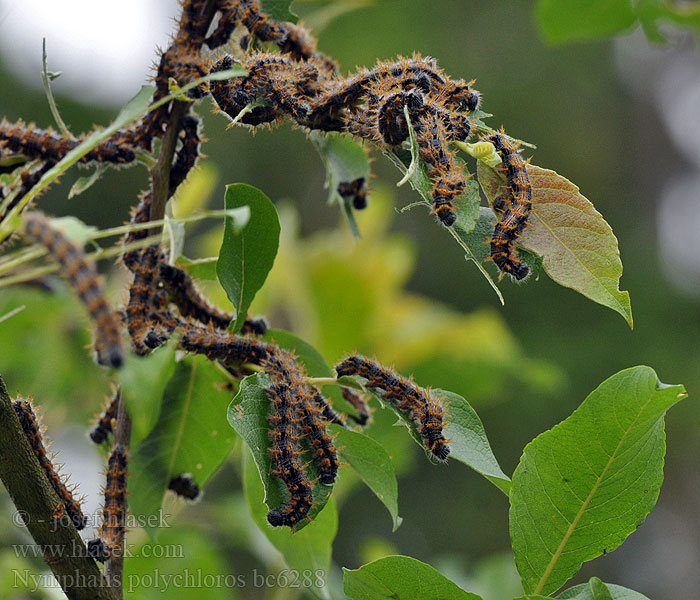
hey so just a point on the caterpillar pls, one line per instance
(47, 145)
(33, 432)
(84, 279)
(314, 430)
(356, 190)
(103, 427)
(416, 403)
(448, 180)
(284, 436)
(109, 544)
(517, 205)
(148, 323)
(185, 487)
(359, 403)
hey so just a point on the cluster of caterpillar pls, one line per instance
(515, 208)
(33, 431)
(416, 403)
(109, 544)
(369, 105)
(83, 277)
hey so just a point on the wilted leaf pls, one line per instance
(578, 247)
(595, 589)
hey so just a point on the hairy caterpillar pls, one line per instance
(284, 436)
(517, 206)
(84, 279)
(359, 403)
(47, 145)
(33, 432)
(103, 427)
(413, 401)
(109, 543)
(185, 487)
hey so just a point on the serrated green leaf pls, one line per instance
(192, 436)
(279, 10)
(373, 464)
(246, 258)
(578, 247)
(588, 591)
(308, 549)
(401, 578)
(582, 487)
(247, 414)
(143, 380)
(567, 20)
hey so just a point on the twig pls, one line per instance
(36, 503)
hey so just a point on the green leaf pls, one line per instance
(595, 589)
(582, 487)
(247, 414)
(567, 20)
(468, 441)
(83, 184)
(78, 231)
(306, 550)
(246, 258)
(279, 10)
(372, 463)
(578, 247)
(202, 268)
(192, 436)
(400, 578)
(143, 380)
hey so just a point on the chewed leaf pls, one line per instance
(583, 486)
(578, 247)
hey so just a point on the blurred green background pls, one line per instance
(406, 293)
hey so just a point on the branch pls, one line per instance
(35, 500)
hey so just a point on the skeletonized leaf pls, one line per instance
(582, 487)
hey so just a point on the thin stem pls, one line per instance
(49, 94)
